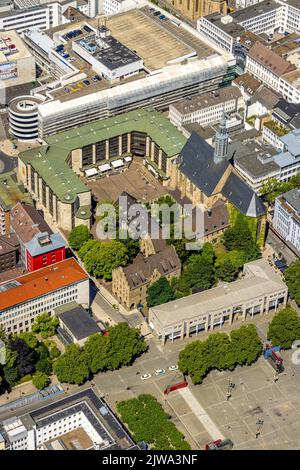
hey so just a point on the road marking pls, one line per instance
(201, 414)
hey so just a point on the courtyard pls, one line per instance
(135, 180)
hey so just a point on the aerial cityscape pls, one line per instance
(149, 227)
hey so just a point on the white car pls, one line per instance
(146, 376)
(173, 367)
(160, 372)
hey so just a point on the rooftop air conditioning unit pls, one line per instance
(226, 19)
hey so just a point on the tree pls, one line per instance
(220, 351)
(147, 421)
(292, 279)
(160, 292)
(284, 328)
(44, 365)
(239, 237)
(71, 367)
(97, 351)
(26, 357)
(46, 325)
(29, 338)
(229, 264)
(79, 236)
(54, 353)
(102, 257)
(273, 187)
(246, 344)
(10, 376)
(40, 380)
(198, 273)
(126, 345)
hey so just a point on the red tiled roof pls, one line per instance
(42, 282)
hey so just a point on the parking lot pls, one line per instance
(136, 180)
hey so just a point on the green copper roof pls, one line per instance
(11, 191)
(50, 161)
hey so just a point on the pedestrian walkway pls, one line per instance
(201, 414)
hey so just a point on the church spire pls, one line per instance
(221, 140)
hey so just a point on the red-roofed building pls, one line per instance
(26, 297)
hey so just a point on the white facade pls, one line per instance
(288, 88)
(286, 219)
(43, 16)
(21, 316)
(100, 67)
(246, 3)
(112, 7)
(157, 91)
(284, 17)
(216, 35)
(204, 115)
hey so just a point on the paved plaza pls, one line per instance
(255, 397)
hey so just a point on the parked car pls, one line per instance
(162, 17)
(160, 372)
(157, 13)
(173, 367)
(86, 82)
(96, 78)
(146, 376)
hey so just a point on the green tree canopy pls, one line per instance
(29, 338)
(239, 237)
(284, 328)
(46, 325)
(40, 380)
(120, 348)
(220, 351)
(229, 264)
(292, 279)
(78, 236)
(273, 187)
(102, 257)
(71, 367)
(160, 292)
(147, 421)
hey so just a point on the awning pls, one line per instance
(117, 163)
(105, 167)
(91, 172)
(127, 159)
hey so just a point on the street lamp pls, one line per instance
(259, 424)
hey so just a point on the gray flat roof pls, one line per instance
(77, 320)
(255, 10)
(233, 29)
(262, 280)
(293, 198)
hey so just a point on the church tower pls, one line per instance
(221, 141)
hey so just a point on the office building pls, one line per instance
(39, 247)
(27, 296)
(286, 220)
(256, 163)
(80, 421)
(259, 290)
(206, 109)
